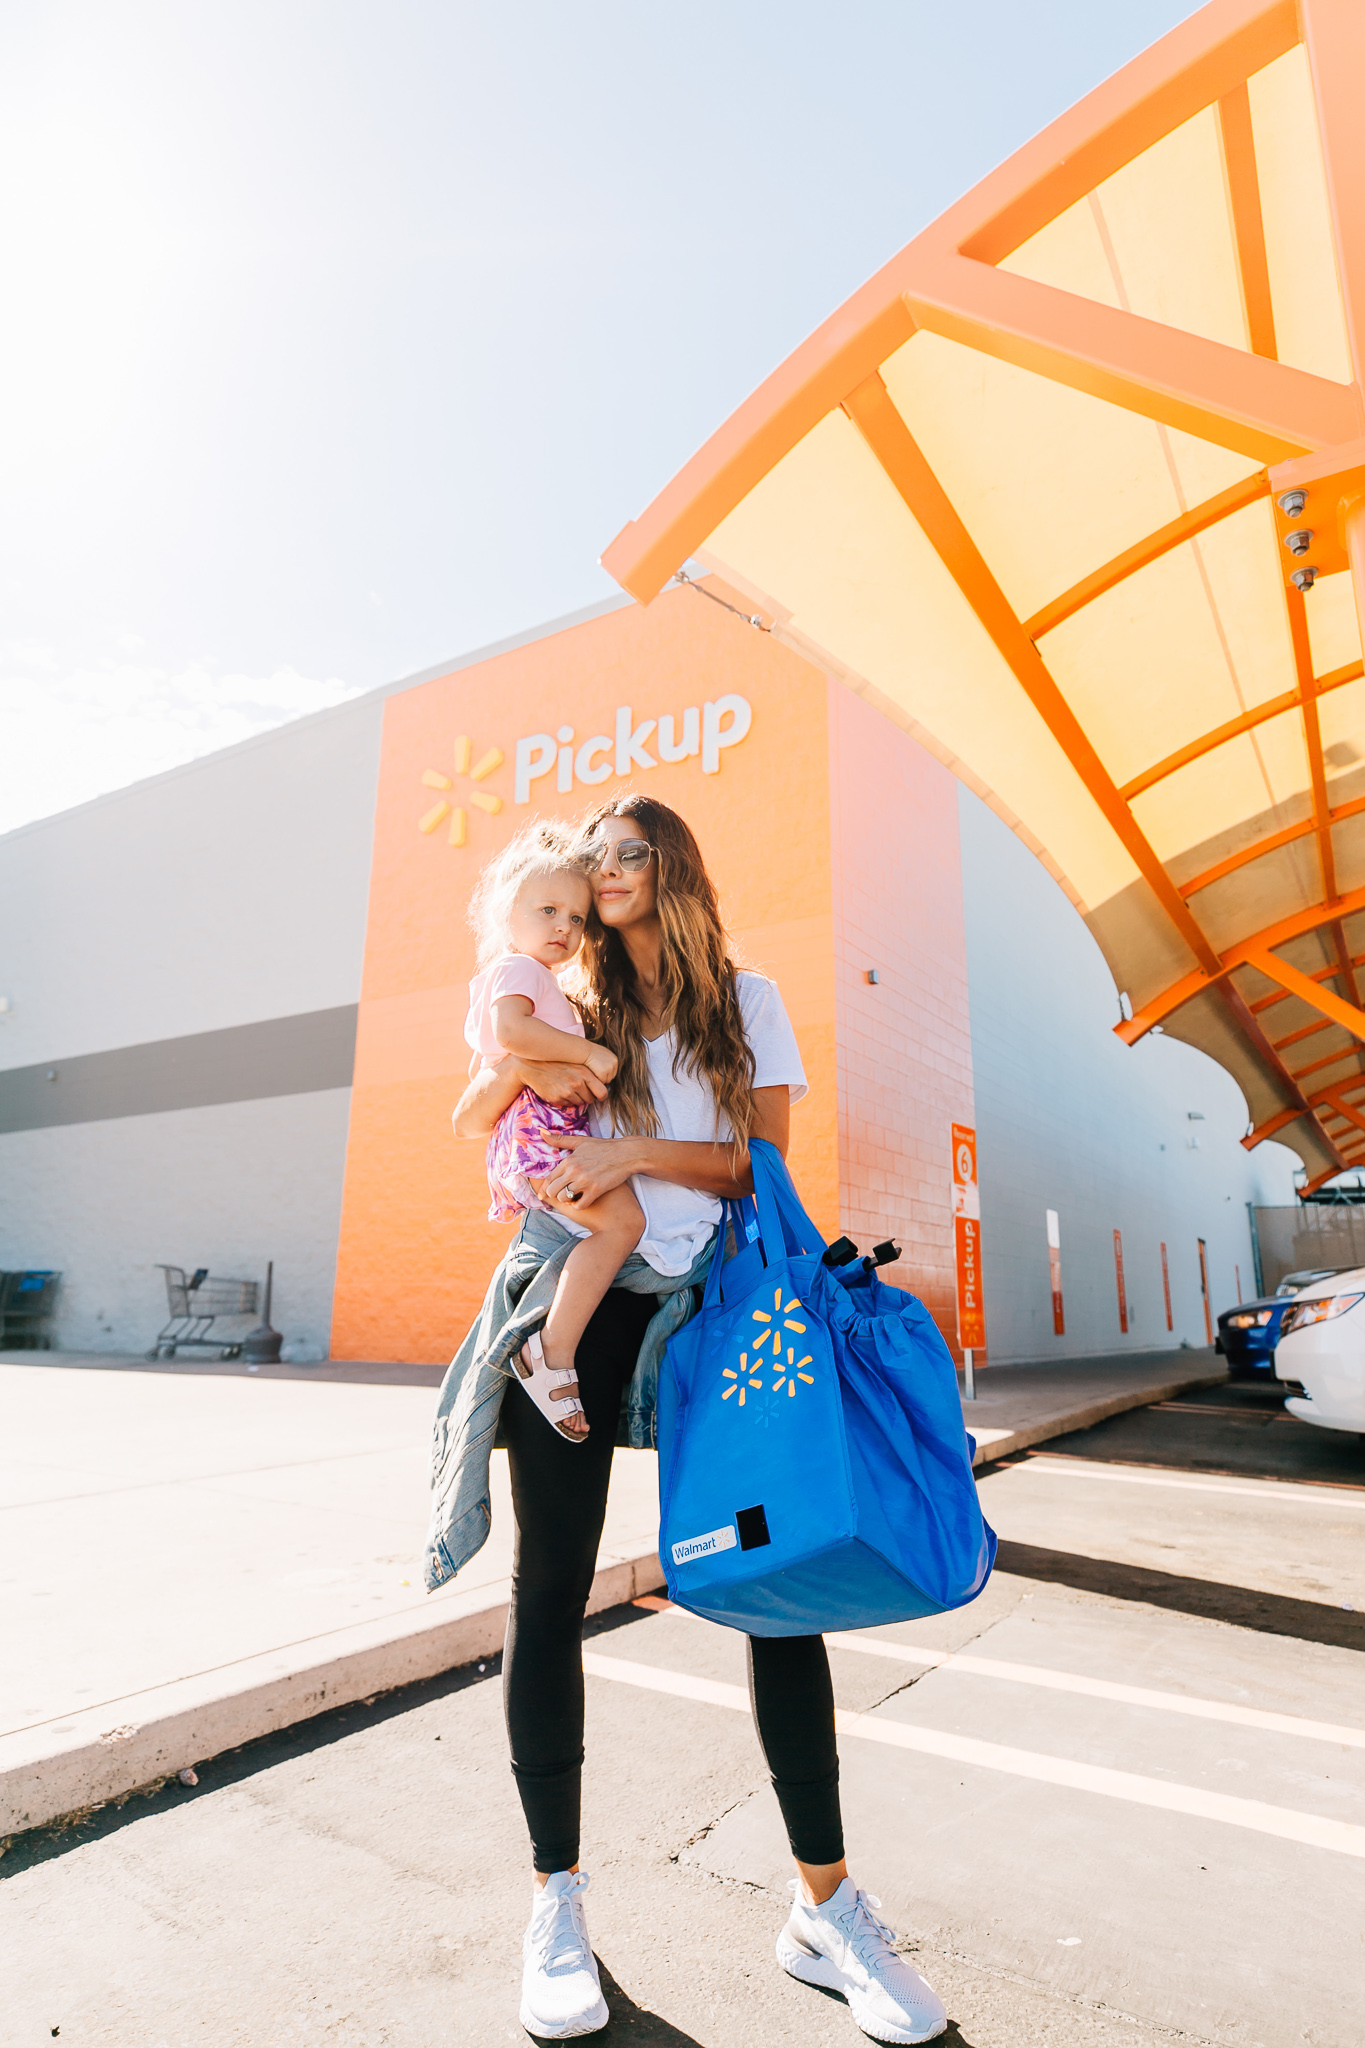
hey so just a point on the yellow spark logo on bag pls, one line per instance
(786, 1371)
(483, 799)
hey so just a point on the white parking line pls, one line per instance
(1286, 1822)
(1102, 1689)
(1273, 1489)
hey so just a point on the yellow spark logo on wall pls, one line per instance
(483, 799)
(786, 1371)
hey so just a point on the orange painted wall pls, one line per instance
(904, 1045)
(416, 1251)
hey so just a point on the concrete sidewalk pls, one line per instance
(1018, 1405)
(198, 1556)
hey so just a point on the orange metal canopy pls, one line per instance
(1029, 491)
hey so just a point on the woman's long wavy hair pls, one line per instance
(701, 1000)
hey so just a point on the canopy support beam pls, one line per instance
(1233, 729)
(1319, 974)
(1262, 409)
(1344, 1109)
(1307, 990)
(1157, 1008)
(1270, 844)
(1334, 37)
(1310, 1187)
(874, 413)
(1332, 1059)
(1304, 1031)
(1190, 524)
(1269, 1127)
(1312, 740)
(1248, 226)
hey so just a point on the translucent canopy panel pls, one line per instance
(1074, 491)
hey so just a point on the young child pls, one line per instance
(529, 910)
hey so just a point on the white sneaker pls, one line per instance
(845, 1947)
(561, 1993)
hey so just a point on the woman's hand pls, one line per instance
(559, 1084)
(594, 1167)
(495, 1089)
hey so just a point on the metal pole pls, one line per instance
(969, 1391)
(262, 1345)
(1353, 533)
(1257, 1272)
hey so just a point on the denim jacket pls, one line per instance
(517, 1302)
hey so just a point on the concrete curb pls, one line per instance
(1085, 1418)
(108, 1752)
(174, 1729)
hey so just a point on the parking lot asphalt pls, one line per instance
(1119, 1799)
(1237, 1427)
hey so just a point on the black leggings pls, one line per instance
(559, 1494)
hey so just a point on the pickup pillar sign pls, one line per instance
(971, 1313)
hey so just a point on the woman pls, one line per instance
(707, 1060)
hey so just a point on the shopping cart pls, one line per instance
(195, 1301)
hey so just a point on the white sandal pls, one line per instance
(538, 1378)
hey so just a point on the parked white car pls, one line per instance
(1322, 1346)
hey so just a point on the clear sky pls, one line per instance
(340, 337)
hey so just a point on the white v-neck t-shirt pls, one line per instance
(679, 1220)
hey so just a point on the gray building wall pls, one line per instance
(183, 958)
(227, 1186)
(1069, 1118)
(230, 890)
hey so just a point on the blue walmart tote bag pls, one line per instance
(814, 1472)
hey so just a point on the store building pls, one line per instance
(234, 998)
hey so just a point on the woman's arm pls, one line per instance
(497, 1088)
(593, 1166)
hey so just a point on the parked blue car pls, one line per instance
(1248, 1334)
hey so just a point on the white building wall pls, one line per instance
(230, 890)
(1071, 1119)
(228, 1187)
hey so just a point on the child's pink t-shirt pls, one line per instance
(516, 974)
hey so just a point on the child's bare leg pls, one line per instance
(616, 1225)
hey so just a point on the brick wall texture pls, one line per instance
(904, 1045)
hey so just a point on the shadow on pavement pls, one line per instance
(41, 1845)
(1310, 1621)
(952, 2033)
(631, 2022)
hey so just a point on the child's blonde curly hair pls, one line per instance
(542, 847)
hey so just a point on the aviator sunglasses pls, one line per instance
(631, 855)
